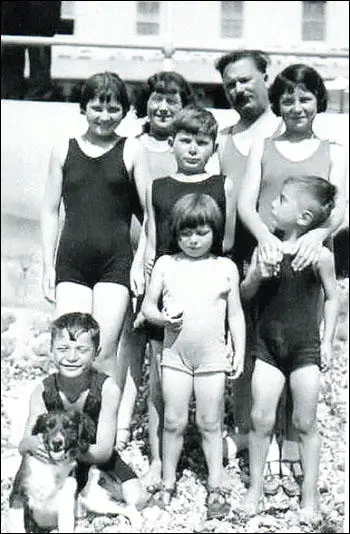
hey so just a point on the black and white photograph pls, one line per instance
(175, 266)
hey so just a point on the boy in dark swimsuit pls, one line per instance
(286, 342)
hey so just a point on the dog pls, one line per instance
(43, 495)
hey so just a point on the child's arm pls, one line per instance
(153, 293)
(136, 162)
(257, 271)
(326, 270)
(230, 216)
(50, 220)
(309, 245)
(101, 451)
(150, 248)
(236, 322)
(270, 245)
(137, 275)
(29, 443)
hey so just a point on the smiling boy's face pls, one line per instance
(73, 356)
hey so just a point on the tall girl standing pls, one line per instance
(100, 179)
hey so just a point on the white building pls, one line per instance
(188, 36)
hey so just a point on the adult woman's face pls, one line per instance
(161, 111)
(298, 109)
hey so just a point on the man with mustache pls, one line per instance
(244, 76)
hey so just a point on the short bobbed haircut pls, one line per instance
(196, 120)
(192, 210)
(298, 75)
(259, 58)
(163, 82)
(104, 85)
(76, 323)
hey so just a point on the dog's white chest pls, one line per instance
(46, 484)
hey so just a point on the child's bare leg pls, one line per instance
(71, 297)
(153, 477)
(130, 354)
(177, 389)
(209, 391)
(110, 304)
(305, 384)
(267, 385)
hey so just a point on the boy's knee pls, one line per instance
(304, 424)
(261, 420)
(208, 425)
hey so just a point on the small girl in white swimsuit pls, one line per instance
(199, 290)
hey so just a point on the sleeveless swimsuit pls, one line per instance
(165, 192)
(99, 200)
(287, 327)
(200, 288)
(115, 466)
(276, 168)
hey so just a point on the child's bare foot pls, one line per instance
(226, 482)
(250, 505)
(152, 480)
(309, 510)
(309, 516)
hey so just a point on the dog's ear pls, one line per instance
(40, 424)
(86, 432)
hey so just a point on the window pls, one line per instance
(147, 18)
(231, 19)
(313, 24)
(66, 23)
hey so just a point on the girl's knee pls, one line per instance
(175, 424)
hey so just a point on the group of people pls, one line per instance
(224, 242)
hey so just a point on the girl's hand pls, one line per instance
(308, 249)
(237, 367)
(137, 280)
(173, 321)
(139, 321)
(148, 267)
(48, 284)
(270, 252)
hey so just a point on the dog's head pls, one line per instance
(65, 434)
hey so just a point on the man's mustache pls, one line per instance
(241, 99)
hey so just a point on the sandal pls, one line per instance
(271, 483)
(216, 503)
(164, 496)
(291, 483)
(123, 439)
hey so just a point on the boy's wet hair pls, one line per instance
(320, 193)
(260, 59)
(163, 82)
(76, 323)
(195, 120)
(104, 85)
(298, 75)
(192, 210)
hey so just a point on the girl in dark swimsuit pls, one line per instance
(99, 176)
